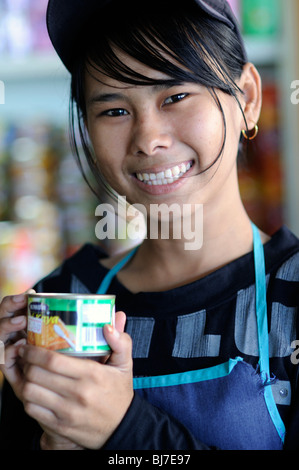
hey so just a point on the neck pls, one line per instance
(227, 235)
(218, 237)
(162, 264)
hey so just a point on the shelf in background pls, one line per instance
(261, 51)
(264, 51)
(33, 66)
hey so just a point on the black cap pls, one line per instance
(65, 19)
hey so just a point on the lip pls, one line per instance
(165, 188)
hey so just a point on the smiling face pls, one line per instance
(158, 98)
(158, 143)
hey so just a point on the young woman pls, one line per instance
(163, 96)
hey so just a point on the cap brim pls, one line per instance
(66, 19)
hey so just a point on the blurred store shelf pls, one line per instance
(36, 66)
(37, 89)
(264, 51)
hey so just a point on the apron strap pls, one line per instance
(262, 329)
(104, 286)
(261, 315)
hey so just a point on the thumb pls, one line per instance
(120, 321)
(120, 344)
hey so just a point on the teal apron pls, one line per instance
(229, 406)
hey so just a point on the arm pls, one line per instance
(145, 427)
(93, 405)
(61, 397)
(24, 435)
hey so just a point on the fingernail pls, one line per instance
(17, 320)
(113, 331)
(19, 298)
(20, 342)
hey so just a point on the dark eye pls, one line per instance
(115, 112)
(175, 98)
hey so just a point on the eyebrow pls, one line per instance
(109, 97)
(106, 97)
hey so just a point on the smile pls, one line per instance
(164, 177)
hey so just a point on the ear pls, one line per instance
(251, 100)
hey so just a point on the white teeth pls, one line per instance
(176, 171)
(165, 177)
(183, 168)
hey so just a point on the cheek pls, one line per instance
(204, 132)
(108, 149)
(102, 144)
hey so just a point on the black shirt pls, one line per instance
(198, 325)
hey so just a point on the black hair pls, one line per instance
(176, 38)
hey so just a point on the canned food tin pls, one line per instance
(70, 323)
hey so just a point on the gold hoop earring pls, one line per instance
(253, 136)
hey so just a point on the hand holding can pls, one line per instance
(71, 324)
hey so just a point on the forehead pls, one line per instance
(95, 77)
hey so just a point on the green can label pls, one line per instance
(70, 324)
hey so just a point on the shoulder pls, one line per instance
(289, 269)
(283, 279)
(282, 254)
(79, 273)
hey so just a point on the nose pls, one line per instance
(150, 134)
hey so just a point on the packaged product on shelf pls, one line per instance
(271, 162)
(22, 263)
(262, 179)
(47, 201)
(23, 28)
(33, 165)
(40, 39)
(77, 205)
(30, 244)
(251, 194)
(17, 27)
(261, 17)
